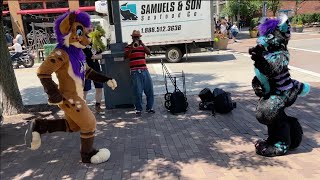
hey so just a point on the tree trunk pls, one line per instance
(296, 8)
(10, 97)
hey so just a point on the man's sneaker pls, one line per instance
(150, 111)
(138, 113)
(98, 109)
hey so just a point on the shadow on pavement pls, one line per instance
(159, 145)
(33, 94)
(243, 35)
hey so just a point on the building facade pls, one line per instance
(304, 7)
(217, 8)
(289, 7)
(19, 14)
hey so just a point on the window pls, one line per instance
(31, 5)
(86, 3)
(5, 6)
(57, 4)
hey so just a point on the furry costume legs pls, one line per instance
(284, 132)
(78, 118)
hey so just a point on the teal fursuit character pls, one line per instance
(273, 84)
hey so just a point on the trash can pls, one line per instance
(118, 68)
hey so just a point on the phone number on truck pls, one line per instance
(161, 29)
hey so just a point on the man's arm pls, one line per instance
(128, 51)
(52, 64)
(11, 47)
(146, 49)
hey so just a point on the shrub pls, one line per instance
(300, 21)
(305, 18)
(316, 17)
(254, 23)
(294, 19)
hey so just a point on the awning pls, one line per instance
(5, 13)
(43, 11)
(53, 10)
(87, 8)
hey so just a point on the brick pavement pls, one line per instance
(194, 145)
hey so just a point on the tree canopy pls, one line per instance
(245, 8)
(274, 6)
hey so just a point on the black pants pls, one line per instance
(16, 55)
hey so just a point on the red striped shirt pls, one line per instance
(137, 58)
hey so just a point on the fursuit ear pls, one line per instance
(66, 24)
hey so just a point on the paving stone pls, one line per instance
(165, 146)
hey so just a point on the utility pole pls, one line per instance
(118, 67)
(238, 16)
(117, 23)
(264, 9)
(218, 9)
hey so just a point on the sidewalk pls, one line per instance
(189, 146)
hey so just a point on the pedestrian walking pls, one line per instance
(223, 27)
(234, 31)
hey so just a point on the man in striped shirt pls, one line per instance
(140, 77)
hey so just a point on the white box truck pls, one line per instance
(173, 28)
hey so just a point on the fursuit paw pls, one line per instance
(102, 156)
(260, 145)
(36, 141)
(278, 149)
(32, 138)
(59, 103)
(112, 84)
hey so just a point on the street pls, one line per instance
(304, 50)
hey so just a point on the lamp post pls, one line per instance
(238, 16)
(264, 9)
(117, 66)
(117, 23)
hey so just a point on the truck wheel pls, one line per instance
(173, 55)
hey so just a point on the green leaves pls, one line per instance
(274, 6)
(306, 18)
(96, 35)
(245, 8)
(254, 23)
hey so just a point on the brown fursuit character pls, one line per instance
(67, 61)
